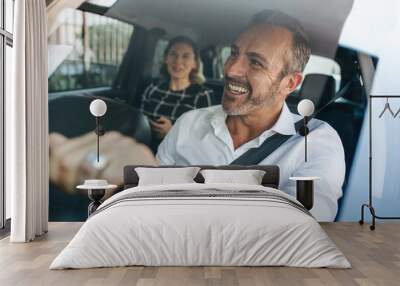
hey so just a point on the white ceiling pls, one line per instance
(218, 21)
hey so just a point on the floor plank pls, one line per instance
(374, 255)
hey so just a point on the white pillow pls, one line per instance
(248, 177)
(163, 176)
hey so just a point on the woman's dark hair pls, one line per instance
(196, 75)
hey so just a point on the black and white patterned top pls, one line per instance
(158, 100)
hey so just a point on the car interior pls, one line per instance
(332, 69)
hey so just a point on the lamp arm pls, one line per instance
(98, 137)
(305, 137)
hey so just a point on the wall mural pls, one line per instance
(172, 100)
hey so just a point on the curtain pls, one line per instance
(27, 170)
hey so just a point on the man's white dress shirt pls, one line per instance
(201, 137)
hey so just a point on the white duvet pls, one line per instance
(182, 231)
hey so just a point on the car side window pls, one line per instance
(86, 50)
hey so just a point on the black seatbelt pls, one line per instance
(254, 156)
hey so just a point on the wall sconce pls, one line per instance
(98, 108)
(305, 109)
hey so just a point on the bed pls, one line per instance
(199, 224)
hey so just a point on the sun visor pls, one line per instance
(210, 21)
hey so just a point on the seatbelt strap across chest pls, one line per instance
(255, 155)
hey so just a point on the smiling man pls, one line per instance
(265, 66)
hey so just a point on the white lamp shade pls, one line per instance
(305, 107)
(98, 107)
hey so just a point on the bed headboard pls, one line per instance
(270, 179)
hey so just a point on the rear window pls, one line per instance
(213, 59)
(158, 58)
(316, 64)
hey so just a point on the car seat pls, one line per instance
(343, 115)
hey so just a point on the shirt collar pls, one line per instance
(218, 120)
(284, 125)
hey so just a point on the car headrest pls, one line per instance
(319, 88)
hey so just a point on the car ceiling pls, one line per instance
(217, 22)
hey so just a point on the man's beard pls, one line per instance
(251, 102)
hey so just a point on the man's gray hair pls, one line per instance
(300, 46)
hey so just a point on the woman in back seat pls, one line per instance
(180, 90)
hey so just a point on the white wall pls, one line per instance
(374, 27)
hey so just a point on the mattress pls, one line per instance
(201, 225)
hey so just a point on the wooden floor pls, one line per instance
(375, 257)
